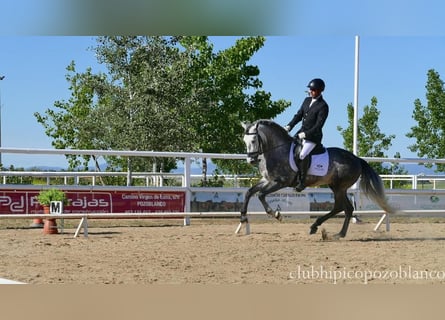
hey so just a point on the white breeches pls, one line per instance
(308, 146)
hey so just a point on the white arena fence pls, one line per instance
(311, 202)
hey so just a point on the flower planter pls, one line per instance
(49, 225)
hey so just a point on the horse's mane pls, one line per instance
(273, 124)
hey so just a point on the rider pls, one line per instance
(313, 113)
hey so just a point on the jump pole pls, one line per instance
(385, 216)
(241, 225)
(82, 224)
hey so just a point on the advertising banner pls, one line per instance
(286, 200)
(408, 202)
(24, 201)
(206, 201)
(96, 201)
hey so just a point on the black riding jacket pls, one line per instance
(313, 119)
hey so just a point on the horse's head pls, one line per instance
(263, 136)
(253, 143)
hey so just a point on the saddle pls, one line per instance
(319, 149)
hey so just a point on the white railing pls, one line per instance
(150, 179)
(187, 157)
(160, 179)
(184, 179)
(415, 180)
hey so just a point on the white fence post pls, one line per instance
(187, 184)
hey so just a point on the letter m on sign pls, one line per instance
(56, 207)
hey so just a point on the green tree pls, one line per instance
(430, 129)
(163, 94)
(75, 125)
(227, 91)
(142, 113)
(371, 141)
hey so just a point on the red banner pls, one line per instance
(24, 201)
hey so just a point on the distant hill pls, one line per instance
(44, 168)
(195, 168)
(414, 168)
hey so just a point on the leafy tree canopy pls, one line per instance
(371, 141)
(430, 129)
(163, 94)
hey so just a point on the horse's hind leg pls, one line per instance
(349, 209)
(320, 220)
(338, 207)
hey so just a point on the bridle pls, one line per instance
(255, 154)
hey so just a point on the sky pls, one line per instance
(393, 66)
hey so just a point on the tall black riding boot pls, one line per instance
(303, 166)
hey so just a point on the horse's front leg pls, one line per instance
(264, 187)
(249, 193)
(269, 188)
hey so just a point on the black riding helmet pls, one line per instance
(316, 84)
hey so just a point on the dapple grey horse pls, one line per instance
(268, 146)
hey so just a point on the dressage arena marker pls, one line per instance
(186, 216)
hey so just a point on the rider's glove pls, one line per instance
(301, 135)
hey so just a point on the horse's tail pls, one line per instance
(372, 186)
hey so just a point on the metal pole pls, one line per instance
(356, 67)
(1, 164)
(355, 120)
(187, 185)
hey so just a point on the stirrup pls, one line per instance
(300, 187)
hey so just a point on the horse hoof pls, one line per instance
(278, 216)
(313, 230)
